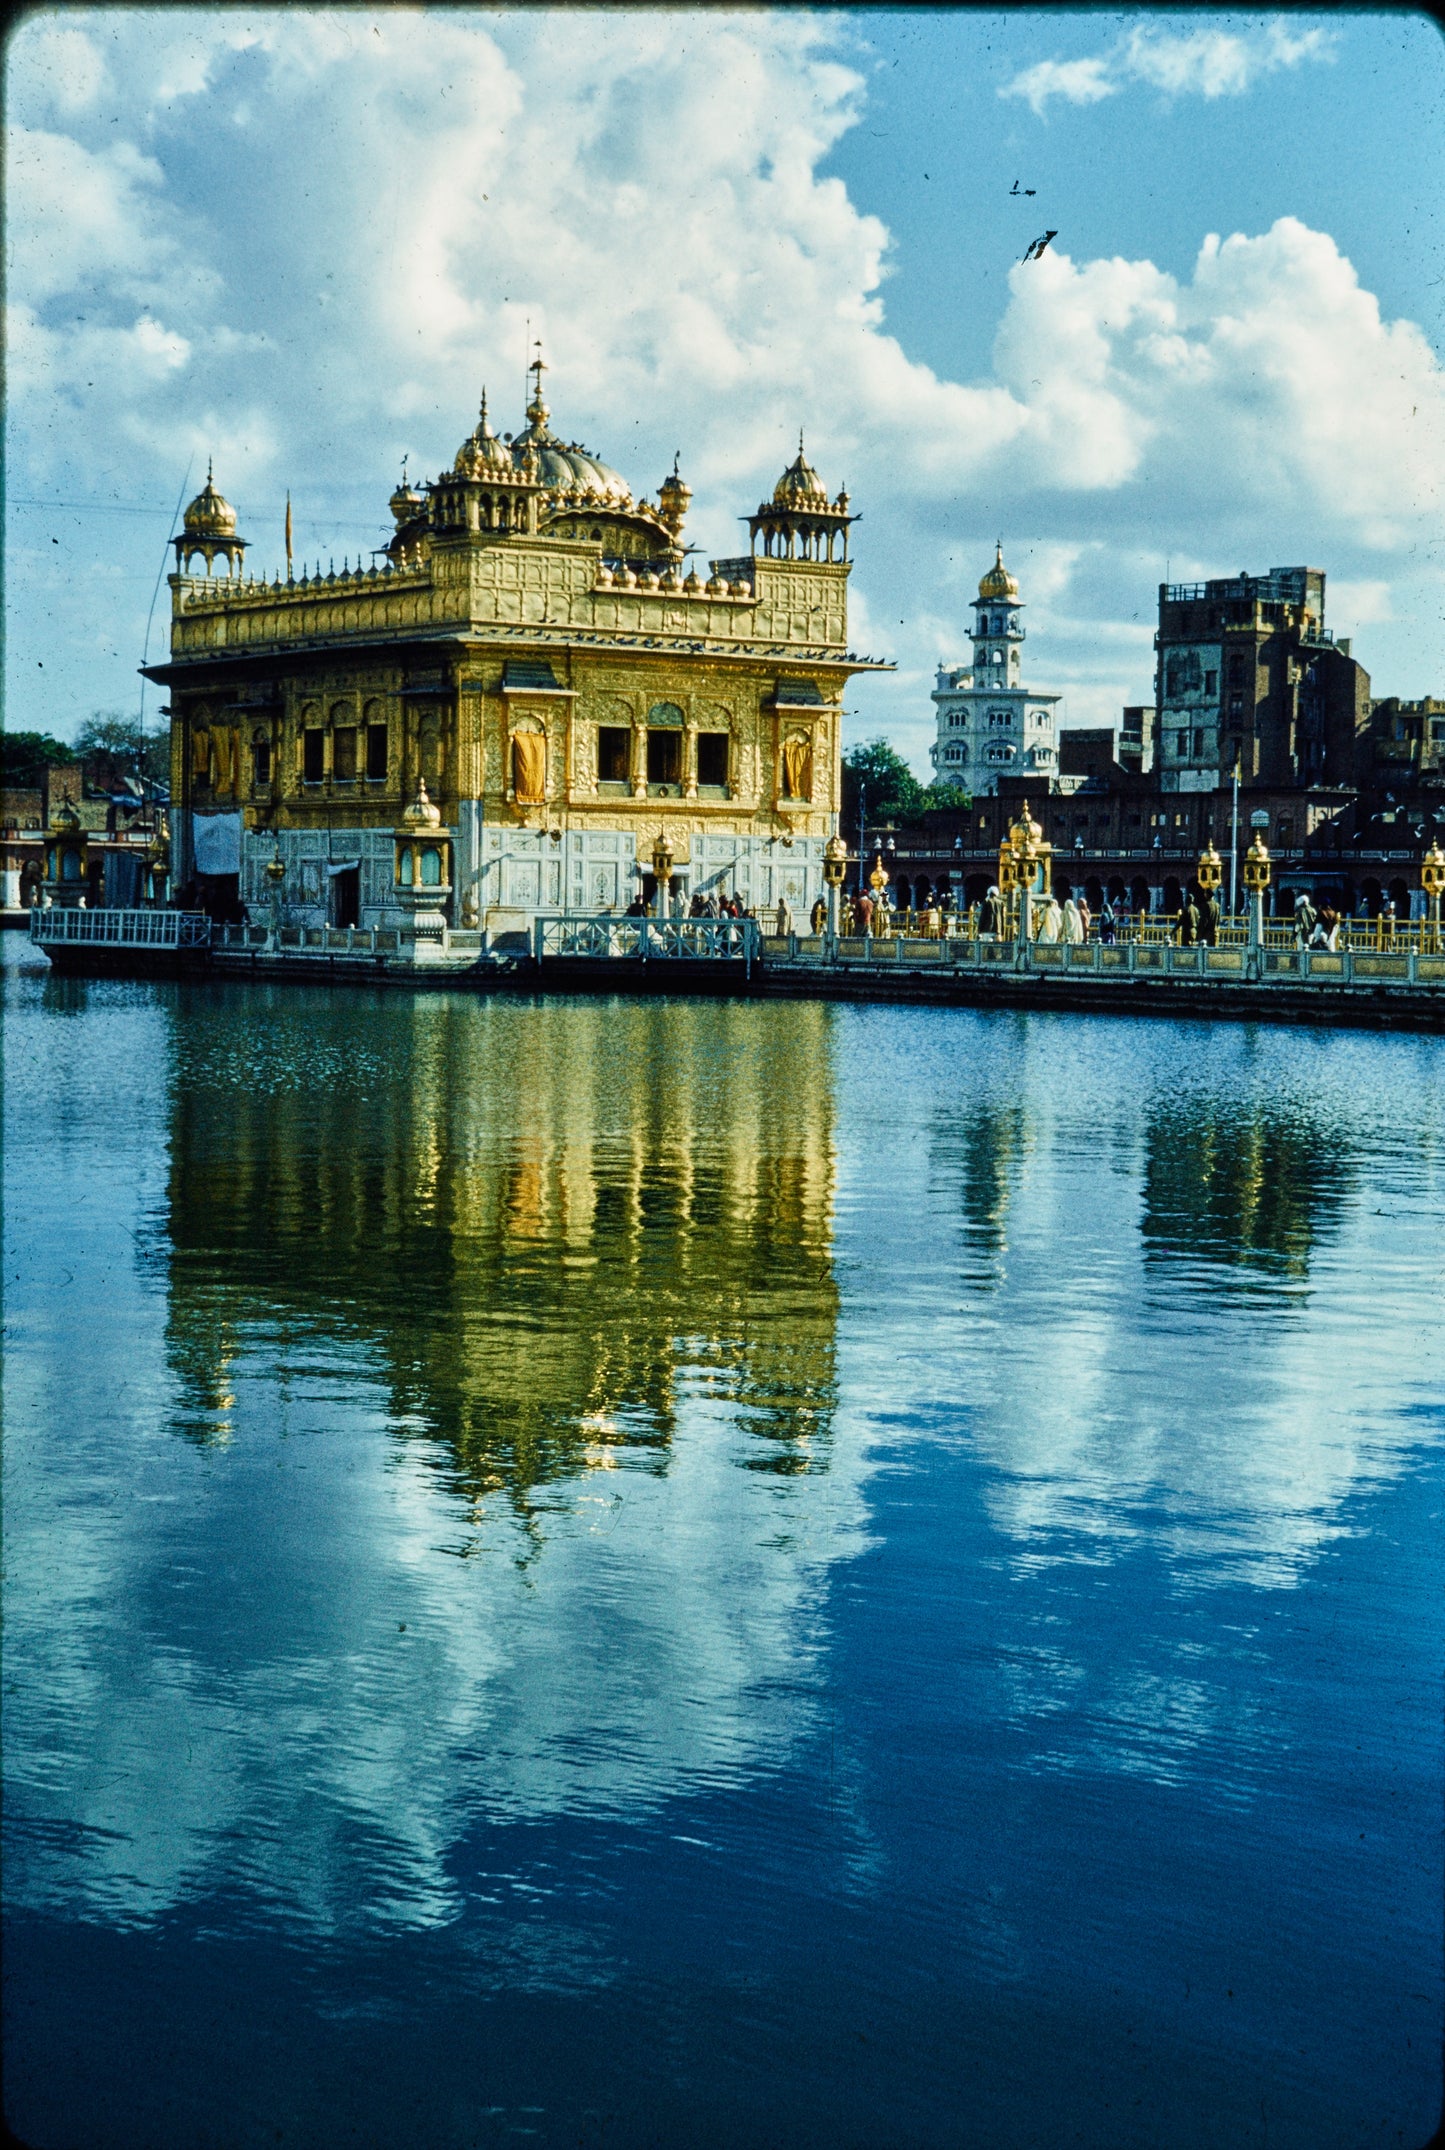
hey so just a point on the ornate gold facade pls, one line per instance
(535, 648)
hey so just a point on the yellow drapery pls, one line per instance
(798, 768)
(529, 765)
(200, 756)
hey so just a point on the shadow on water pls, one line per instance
(546, 1219)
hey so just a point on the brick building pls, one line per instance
(1249, 675)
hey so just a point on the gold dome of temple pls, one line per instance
(563, 466)
(998, 583)
(208, 514)
(800, 486)
(481, 451)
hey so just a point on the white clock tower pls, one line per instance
(989, 723)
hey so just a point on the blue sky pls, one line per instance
(303, 241)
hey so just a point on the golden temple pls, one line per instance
(536, 649)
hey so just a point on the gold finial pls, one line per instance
(537, 411)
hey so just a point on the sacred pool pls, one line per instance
(680, 1572)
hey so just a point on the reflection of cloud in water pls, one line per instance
(497, 1357)
(302, 1746)
(1171, 1333)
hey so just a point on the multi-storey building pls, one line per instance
(535, 650)
(1249, 676)
(989, 723)
(1407, 739)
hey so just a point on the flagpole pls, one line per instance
(288, 533)
(1234, 839)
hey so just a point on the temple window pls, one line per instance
(712, 758)
(664, 756)
(313, 755)
(260, 760)
(343, 753)
(376, 754)
(613, 749)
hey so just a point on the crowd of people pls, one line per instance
(1196, 924)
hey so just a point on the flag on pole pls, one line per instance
(288, 533)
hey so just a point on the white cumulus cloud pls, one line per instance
(1209, 62)
(305, 241)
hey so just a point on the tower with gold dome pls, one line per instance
(542, 651)
(989, 723)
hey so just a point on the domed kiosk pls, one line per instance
(208, 531)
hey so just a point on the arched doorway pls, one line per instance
(903, 893)
(975, 887)
(1173, 897)
(1117, 890)
(1094, 892)
(1139, 895)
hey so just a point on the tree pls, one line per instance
(25, 756)
(953, 798)
(893, 791)
(112, 746)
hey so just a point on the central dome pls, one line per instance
(566, 466)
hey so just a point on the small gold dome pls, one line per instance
(998, 583)
(800, 486)
(421, 814)
(208, 514)
(482, 451)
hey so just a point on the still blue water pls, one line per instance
(603, 1573)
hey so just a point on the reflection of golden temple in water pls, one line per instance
(549, 1219)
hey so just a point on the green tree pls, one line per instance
(25, 756)
(952, 797)
(893, 791)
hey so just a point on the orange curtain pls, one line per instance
(529, 766)
(798, 768)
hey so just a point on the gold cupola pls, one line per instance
(998, 585)
(208, 528)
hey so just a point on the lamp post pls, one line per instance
(835, 866)
(67, 859)
(662, 868)
(1025, 841)
(1209, 873)
(878, 881)
(158, 861)
(1256, 881)
(1432, 880)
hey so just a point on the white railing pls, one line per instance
(120, 929)
(698, 940)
